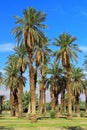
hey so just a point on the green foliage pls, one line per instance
(48, 106)
(82, 105)
(82, 113)
(6, 105)
(74, 115)
(52, 114)
(26, 100)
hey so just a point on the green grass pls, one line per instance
(10, 123)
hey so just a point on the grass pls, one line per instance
(10, 123)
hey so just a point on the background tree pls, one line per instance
(22, 62)
(77, 85)
(66, 53)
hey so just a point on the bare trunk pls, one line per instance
(86, 98)
(15, 103)
(77, 105)
(52, 101)
(69, 93)
(44, 101)
(11, 102)
(29, 111)
(62, 101)
(56, 104)
(32, 90)
(41, 101)
(20, 93)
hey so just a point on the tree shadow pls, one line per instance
(5, 128)
(74, 128)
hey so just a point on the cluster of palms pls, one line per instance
(46, 68)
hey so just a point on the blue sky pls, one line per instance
(62, 16)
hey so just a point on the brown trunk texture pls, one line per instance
(32, 90)
(20, 93)
(86, 98)
(41, 101)
(77, 104)
(69, 93)
(44, 101)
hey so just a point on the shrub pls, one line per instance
(74, 115)
(82, 114)
(52, 114)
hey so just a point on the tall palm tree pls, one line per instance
(77, 85)
(66, 53)
(21, 52)
(29, 29)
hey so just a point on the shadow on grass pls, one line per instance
(5, 128)
(74, 128)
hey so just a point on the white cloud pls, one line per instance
(6, 47)
(83, 48)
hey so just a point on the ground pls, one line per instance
(14, 123)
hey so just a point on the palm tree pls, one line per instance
(42, 59)
(55, 71)
(85, 90)
(85, 82)
(77, 85)
(11, 81)
(66, 53)
(21, 52)
(63, 89)
(29, 29)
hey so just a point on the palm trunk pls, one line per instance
(41, 101)
(44, 101)
(56, 104)
(32, 89)
(11, 102)
(20, 93)
(62, 101)
(15, 103)
(86, 98)
(69, 93)
(77, 105)
(52, 100)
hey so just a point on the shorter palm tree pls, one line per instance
(55, 72)
(77, 85)
(22, 62)
(11, 81)
(66, 54)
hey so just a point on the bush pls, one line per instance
(74, 115)
(52, 114)
(82, 114)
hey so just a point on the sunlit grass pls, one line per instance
(11, 123)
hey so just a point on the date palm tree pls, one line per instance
(21, 52)
(77, 85)
(85, 90)
(29, 29)
(11, 81)
(66, 53)
(55, 71)
(42, 59)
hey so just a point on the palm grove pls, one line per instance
(47, 69)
